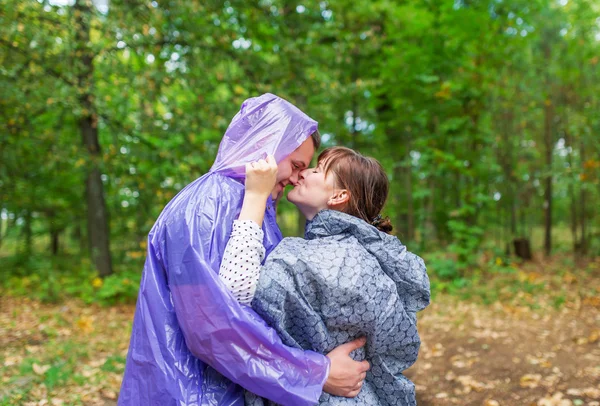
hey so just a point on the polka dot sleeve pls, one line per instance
(240, 267)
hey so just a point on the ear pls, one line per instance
(339, 199)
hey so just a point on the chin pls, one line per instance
(290, 196)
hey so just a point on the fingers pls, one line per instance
(353, 345)
(263, 165)
(356, 390)
(365, 366)
(353, 394)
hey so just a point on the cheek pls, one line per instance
(283, 174)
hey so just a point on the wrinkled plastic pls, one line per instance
(186, 322)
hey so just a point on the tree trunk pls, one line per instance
(54, 232)
(548, 188)
(582, 202)
(28, 232)
(571, 188)
(54, 237)
(409, 197)
(1, 226)
(98, 232)
(301, 223)
(400, 196)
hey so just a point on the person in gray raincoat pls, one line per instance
(347, 278)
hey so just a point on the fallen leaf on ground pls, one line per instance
(40, 369)
(530, 380)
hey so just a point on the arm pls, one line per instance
(240, 267)
(217, 329)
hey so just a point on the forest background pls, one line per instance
(485, 113)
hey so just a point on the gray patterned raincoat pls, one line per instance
(347, 279)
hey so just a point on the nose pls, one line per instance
(297, 176)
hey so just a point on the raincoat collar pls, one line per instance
(332, 222)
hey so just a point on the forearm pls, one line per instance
(240, 267)
(244, 349)
(253, 207)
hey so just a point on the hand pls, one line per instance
(346, 376)
(261, 177)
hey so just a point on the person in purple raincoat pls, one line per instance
(192, 343)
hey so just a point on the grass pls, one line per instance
(72, 354)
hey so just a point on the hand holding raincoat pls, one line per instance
(192, 342)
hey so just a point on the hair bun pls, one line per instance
(382, 224)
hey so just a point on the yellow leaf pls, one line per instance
(237, 89)
(86, 324)
(530, 380)
(40, 369)
(498, 261)
(97, 282)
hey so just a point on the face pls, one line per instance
(289, 168)
(315, 192)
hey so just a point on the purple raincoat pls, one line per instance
(186, 322)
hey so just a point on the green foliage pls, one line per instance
(120, 287)
(53, 281)
(471, 107)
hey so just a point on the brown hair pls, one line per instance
(316, 137)
(365, 180)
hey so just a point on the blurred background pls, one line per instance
(485, 113)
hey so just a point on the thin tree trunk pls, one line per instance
(582, 211)
(98, 232)
(54, 236)
(548, 188)
(548, 141)
(54, 232)
(301, 224)
(571, 190)
(401, 223)
(409, 194)
(1, 226)
(28, 232)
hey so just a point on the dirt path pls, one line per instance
(533, 349)
(503, 355)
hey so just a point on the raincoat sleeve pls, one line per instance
(218, 330)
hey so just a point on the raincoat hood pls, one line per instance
(265, 125)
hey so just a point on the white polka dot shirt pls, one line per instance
(240, 267)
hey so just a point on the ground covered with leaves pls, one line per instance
(525, 336)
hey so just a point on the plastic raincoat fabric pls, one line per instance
(347, 279)
(191, 341)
